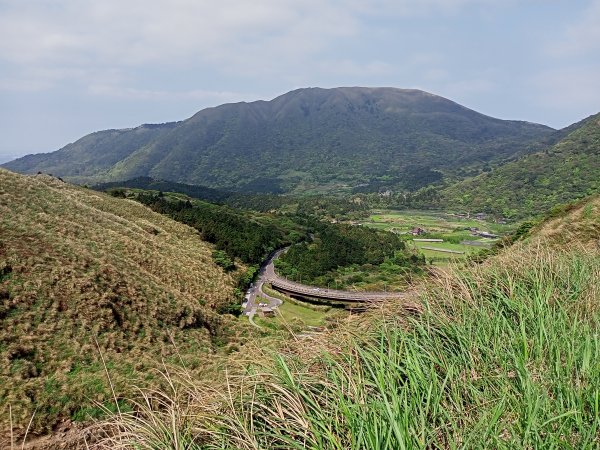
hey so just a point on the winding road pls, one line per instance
(267, 275)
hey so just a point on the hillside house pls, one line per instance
(418, 231)
(485, 234)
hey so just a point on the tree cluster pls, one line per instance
(338, 245)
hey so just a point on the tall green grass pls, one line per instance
(502, 356)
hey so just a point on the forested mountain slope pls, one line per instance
(306, 139)
(568, 170)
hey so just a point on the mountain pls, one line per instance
(312, 138)
(83, 274)
(566, 171)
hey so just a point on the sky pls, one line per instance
(71, 67)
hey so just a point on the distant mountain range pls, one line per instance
(566, 171)
(308, 140)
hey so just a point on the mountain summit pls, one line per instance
(309, 138)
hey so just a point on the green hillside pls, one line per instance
(568, 170)
(306, 140)
(91, 153)
(78, 266)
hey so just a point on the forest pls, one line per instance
(336, 246)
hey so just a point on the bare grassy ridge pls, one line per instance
(503, 355)
(77, 265)
(577, 224)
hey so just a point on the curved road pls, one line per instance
(267, 275)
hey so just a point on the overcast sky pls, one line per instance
(70, 67)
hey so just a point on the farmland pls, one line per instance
(452, 229)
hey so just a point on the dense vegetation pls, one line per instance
(337, 246)
(337, 255)
(502, 355)
(534, 184)
(304, 141)
(256, 202)
(84, 275)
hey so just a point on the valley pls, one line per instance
(300, 225)
(389, 235)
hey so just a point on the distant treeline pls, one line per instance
(256, 202)
(315, 205)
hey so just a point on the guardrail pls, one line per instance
(330, 294)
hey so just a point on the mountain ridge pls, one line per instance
(566, 171)
(309, 138)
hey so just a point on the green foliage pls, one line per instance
(235, 309)
(235, 234)
(116, 192)
(249, 275)
(87, 413)
(221, 259)
(523, 230)
(536, 183)
(338, 245)
(246, 279)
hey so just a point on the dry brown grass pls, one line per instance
(77, 265)
(578, 226)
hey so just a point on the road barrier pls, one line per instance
(330, 294)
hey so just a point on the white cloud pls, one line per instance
(408, 8)
(136, 31)
(581, 37)
(203, 96)
(576, 88)
(24, 85)
(233, 33)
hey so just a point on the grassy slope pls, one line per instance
(502, 355)
(77, 265)
(567, 171)
(576, 224)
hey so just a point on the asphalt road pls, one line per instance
(265, 274)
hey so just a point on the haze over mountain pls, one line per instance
(567, 171)
(309, 138)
